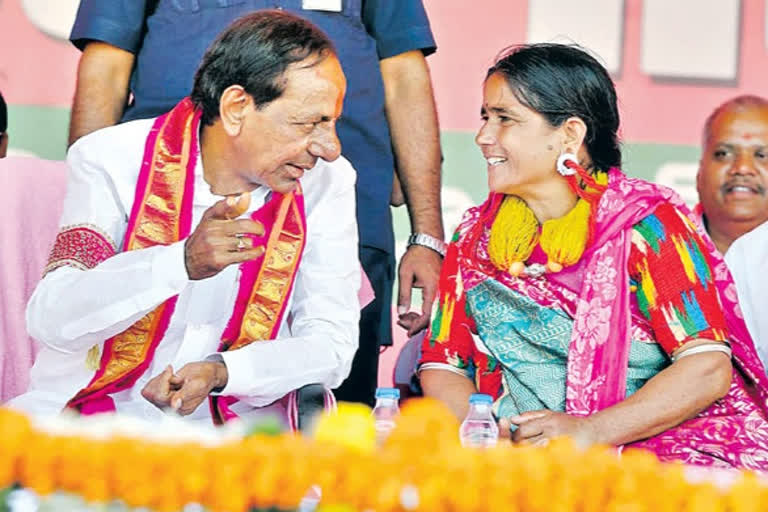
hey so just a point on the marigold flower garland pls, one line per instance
(420, 467)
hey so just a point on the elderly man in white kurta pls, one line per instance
(207, 259)
(733, 191)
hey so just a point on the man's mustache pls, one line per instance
(755, 187)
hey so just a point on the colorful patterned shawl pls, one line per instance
(731, 432)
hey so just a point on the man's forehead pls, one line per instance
(325, 65)
(740, 125)
(319, 89)
(314, 75)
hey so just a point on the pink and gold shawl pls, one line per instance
(161, 215)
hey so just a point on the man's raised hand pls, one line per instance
(222, 239)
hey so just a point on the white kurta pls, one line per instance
(72, 310)
(747, 259)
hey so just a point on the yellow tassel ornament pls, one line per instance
(515, 233)
(564, 239)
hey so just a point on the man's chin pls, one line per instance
(286, 186)
(744, 211)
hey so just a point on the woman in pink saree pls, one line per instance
(587, 303)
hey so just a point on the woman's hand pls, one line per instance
(538, 427)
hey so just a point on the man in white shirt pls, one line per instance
(733, 191)
(177, 260)
(747, 259)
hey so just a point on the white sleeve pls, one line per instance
(745, 258)
(81, 302)
(325, 310)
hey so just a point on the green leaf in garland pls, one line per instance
(268, 426)
(4, 506)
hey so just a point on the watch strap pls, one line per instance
(428, 241)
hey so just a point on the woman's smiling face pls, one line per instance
(518, 143)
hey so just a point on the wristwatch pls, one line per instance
(428, 241)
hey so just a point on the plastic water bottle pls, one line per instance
(479, 429)
(385, 412)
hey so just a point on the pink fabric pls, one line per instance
(79, 246)
(732, 432)
(730, 288)
(249, 270)
(31, 200)
(98, 399)
(267, 215)
(366, 293)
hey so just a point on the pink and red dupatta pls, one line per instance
(732, 432)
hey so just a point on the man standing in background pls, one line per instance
(138, 61)
(733, 191)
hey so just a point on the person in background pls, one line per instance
(210, 254)
(733, 192)
(3, 127)
(138, 61)
(732, 181)
(583, 301)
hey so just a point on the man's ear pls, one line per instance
(574, 132)
(233, 106)
(4, 144)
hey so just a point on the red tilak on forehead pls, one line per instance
(747, 136)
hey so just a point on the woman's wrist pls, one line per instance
(594, 432)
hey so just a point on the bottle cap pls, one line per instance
(388, 393)
(480, 398)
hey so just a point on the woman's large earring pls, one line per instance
(562, 164)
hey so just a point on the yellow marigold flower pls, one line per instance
(37, 468)
(15, 438)
(421, 467)
(336, 508)
(351, 425)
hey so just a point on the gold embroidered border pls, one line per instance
(158, 223)
(275, 277)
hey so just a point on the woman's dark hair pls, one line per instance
(560, 81)
(3, 116)
(254, 52)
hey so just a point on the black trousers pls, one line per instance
(375, 328)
